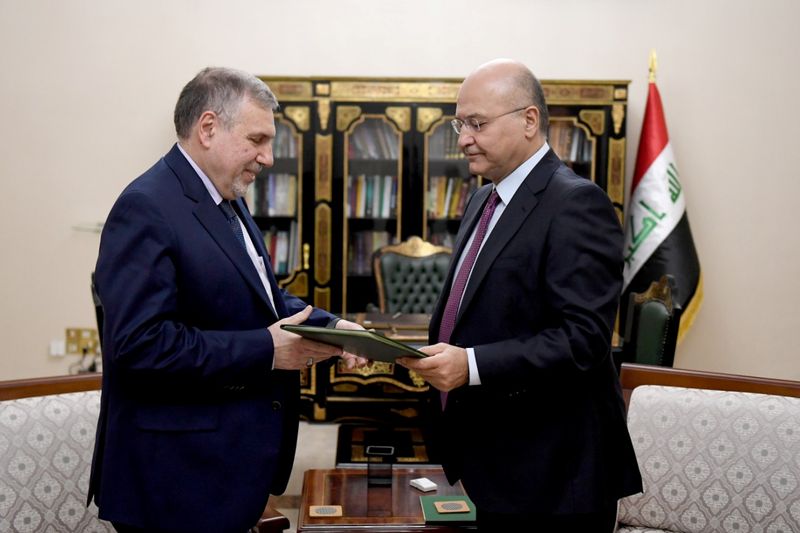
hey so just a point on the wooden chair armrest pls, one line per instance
(272, 521)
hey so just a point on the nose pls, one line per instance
(264, 157)
(465, 138)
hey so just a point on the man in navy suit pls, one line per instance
(533, 422)
(199, 410)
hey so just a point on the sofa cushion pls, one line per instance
(714, 461)
(46, 446)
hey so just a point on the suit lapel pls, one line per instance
(213, 221)
(516, 212)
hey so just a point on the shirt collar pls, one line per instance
(509, 185)
(215, 195)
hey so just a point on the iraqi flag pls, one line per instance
(658, 239)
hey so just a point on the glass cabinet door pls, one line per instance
(574, 144)
(447, 183)
(372, 201)
(275, 199)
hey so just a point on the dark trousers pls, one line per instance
(600, 522)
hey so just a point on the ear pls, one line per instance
(531, 121)
(207, 126)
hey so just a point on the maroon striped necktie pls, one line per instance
(457, 290)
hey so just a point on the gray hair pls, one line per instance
(530, 87)
(220, 90)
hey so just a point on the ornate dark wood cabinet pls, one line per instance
(360, 163)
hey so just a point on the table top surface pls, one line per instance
(376, 509)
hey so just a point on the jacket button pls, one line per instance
(276, 405)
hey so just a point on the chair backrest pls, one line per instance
(410, 275)
(651, 329)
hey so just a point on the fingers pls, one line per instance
(298, 318)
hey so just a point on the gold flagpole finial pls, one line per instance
(653, 66)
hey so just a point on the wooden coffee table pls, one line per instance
(374, 509)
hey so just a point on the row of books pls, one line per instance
(273, 195)
(372, 196)
(374, 139)
(448, 195)
(569, 142)
(444, 144)
(362, 246)
(285, 143)
(284, 249)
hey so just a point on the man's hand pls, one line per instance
(293, 352)
(351, 360)
(446, 367)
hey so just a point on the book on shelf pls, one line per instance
(372, 196)
(360, 250)
(283, 248)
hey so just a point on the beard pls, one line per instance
(239, 186)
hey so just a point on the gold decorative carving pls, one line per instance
(322, 248)
(290, 90)
(375, 372)
(320, 413)
(308, 381)
(595, 118)
(300, 115)
(617, 115)
(345, 115)
(620, 94)
(323, 171)
(306, 256)
(345, 387)
(427, 116)
(322, 298)
(416, 379)
(401, 116)
(565, 93)
(616, 174)
(323, 89)
(297, 284)
(395, 90)
(324, 109)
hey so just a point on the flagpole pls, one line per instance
(653, 66)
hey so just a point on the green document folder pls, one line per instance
(358, 341)
(432, 516)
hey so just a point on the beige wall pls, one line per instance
(88, 88)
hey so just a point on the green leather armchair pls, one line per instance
(651, 327)
(410, 275)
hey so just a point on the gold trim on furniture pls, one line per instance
(617, 115)
(345, 115)
(300, 115)
(427, 116)
(298, 138)
(308, 380)
(322, 298)
(615, 186)
(595, 118)
(390, 91)
(401, 116)
(322, 250)
(341, 374)
(297, 284)
(563, 93)
(320, 415)
(324, 111)
(306, 256)
(323, 171)
(620, 94)
(323, 89)
(289, 89)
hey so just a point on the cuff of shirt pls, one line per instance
(474, 377)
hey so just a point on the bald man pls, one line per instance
(533, 420)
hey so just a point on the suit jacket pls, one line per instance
(195, 427)
(545, 432)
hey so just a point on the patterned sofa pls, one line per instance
(718, 453)
(47, 430)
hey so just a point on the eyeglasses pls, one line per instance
(474, 124)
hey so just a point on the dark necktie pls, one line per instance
(457, 290)
(233, 220)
